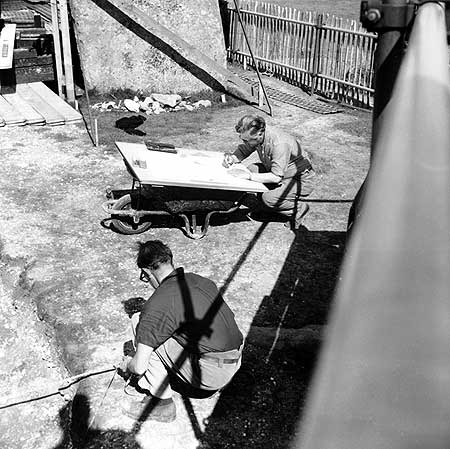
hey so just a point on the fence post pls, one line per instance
(317, 52)
(67, 52)
(57, 47)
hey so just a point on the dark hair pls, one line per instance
(250, 122)
(152, 254)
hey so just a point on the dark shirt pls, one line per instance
(189, 308)
(280, 153)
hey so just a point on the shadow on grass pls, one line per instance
(79, 436)
(263, 404)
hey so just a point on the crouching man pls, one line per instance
(186, 338)
(282, 167)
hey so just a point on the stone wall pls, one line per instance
(113, 57)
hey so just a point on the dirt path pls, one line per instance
(74, 274)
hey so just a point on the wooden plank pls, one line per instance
(295, 40)
(32, 117)
(67, 51)
(186, 168)
(43, 9)
(68, 112)
(32, 74)
(28, 67)
(57, 46)
(51, 115)
(299, 52)
(10, 115)
(309, 51)
(292, 28)
(285, 44)
(18, 17)
(263, 40)
(334, 55)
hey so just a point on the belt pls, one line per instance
(219, 360)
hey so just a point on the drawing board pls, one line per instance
(187, 168)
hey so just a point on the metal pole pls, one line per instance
(387, 59)
(261, 85)
(235, 26)
(57, 48)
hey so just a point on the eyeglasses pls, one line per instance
(144, 277)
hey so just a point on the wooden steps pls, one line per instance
(35, 104)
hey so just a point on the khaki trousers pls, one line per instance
(171, 367)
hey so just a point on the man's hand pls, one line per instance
(122, 367)
(229, 160)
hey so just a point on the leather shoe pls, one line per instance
(150, 408)
(297, 221)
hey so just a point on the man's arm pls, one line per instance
(139, 363)
(265, 178)
(242, 152)
(281, 155)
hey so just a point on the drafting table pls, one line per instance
(186, 168)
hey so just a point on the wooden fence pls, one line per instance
(322, 54)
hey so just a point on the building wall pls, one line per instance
(113, 57)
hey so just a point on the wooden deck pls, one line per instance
(35, 104)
